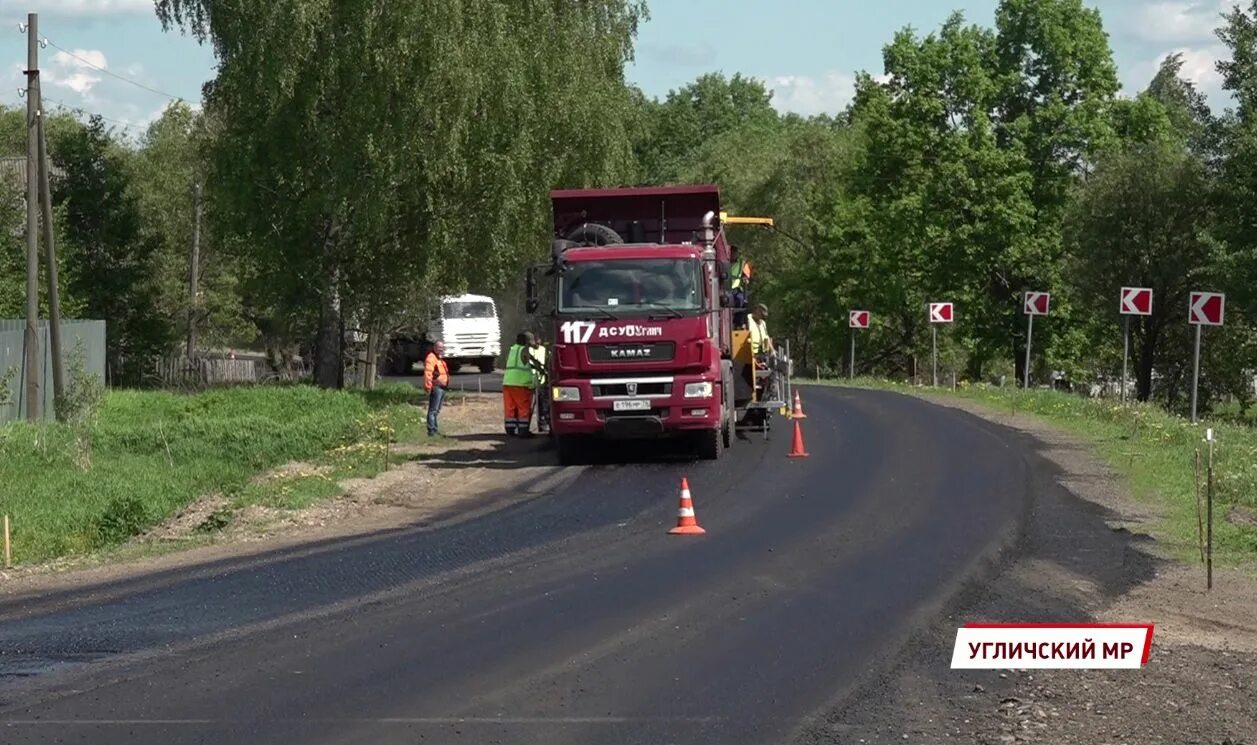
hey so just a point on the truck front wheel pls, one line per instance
(711, 444)
(486, 365)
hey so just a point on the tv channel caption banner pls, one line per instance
(1024, 646)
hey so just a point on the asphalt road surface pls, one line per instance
(570, 618)
(467, 379)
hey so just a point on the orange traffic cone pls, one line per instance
(798, 408)
(686, 524)
(797, 450)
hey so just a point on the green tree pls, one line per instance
(1141, 221)
(165, 172)
(111, 267)
(673, 132)
(1237, 218)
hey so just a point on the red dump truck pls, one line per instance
(643, 338)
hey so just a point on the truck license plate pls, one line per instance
(631, 405)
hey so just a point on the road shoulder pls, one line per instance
(1084, 555)
(432, 485)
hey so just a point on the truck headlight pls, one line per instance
(698, 390)
(565, 393)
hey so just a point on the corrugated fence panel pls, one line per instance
(89, 334)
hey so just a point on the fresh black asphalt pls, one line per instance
(570, 618)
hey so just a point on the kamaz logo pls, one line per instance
(579, 332)
(630, 353)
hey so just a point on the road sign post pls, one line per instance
(856, 319)
(1203, 309)
(1035, 304)
(1134, 301)
(939, 313)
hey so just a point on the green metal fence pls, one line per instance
(90, 334)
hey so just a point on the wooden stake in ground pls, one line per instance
(8, 550)
(1200, 518)
(1209, 515)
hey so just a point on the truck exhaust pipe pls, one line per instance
(713, 275)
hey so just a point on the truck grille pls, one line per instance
(639, 352)
(608, 390)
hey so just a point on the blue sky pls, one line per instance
(806, 51)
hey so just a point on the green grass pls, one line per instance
(1154, 452)
(149, 454)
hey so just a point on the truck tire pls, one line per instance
(593, 234)
(486, 365)
(455, 367)
(711, 444)
(726, 433)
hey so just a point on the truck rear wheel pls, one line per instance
(711, 444)
(486, 365)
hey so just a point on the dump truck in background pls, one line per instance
(469, 326)
(642, 332)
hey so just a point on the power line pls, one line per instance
(80, 110)
(110, 73)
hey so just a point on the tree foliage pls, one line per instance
(113, 269)
(378, 149)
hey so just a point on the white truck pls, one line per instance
(469, 326)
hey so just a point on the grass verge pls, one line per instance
(1154, 451)
(73, 491)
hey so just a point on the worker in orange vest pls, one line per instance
(436, 379)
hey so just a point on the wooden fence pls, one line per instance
(186, 372)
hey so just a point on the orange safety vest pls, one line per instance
(435, 367)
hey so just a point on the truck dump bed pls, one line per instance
(664, 214)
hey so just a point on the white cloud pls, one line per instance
(78, 70)
(76, 9)
(1180, 21)
(1199, 66)
(808, 96)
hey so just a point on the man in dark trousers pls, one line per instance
(436, 379)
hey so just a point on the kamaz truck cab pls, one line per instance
(642, 336)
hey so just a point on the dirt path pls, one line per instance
(1085, 558)
(473, 471)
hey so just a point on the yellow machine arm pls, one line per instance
(766, 222)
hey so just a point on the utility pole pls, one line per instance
(50, 257)
(194, 274)
(32, 217)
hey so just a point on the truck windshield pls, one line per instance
(632, 284)
(473, 309)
